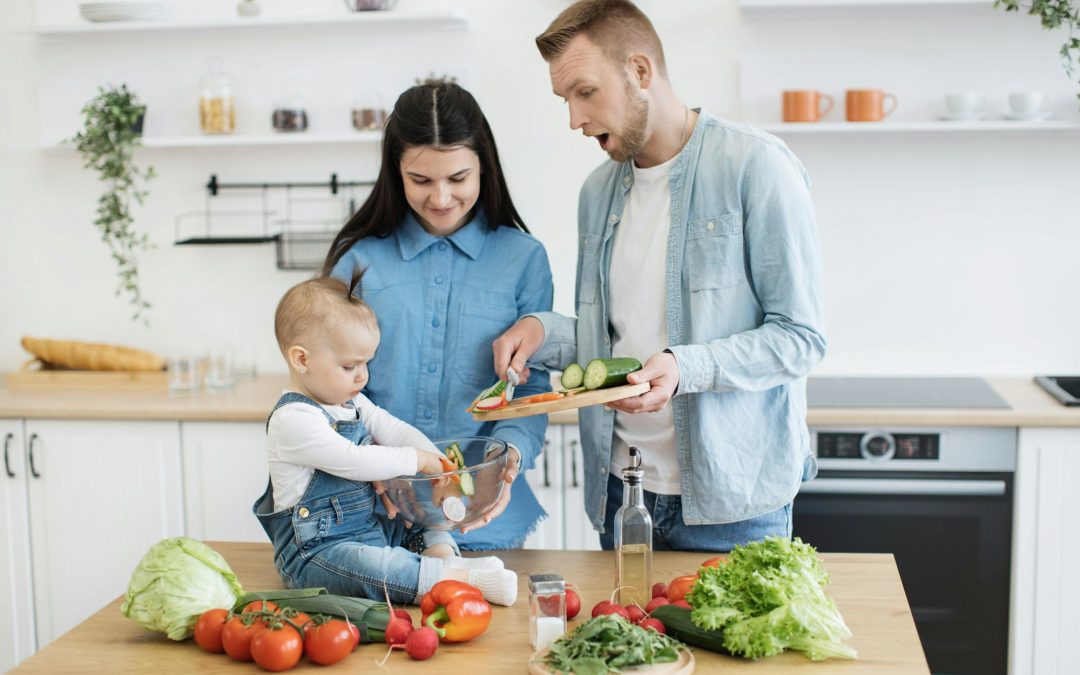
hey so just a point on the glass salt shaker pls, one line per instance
(547, 609)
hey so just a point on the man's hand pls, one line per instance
(662, 372)
(509, 473)
(514, 347)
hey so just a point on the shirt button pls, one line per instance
(626, 180)
(613, 218)
(711, 225)
(603, 471)
(304, 512)
(428, 414)
(432, 368)
(435, 322)
(442, 245)
(439, 279)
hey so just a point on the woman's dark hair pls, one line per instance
(439, 114)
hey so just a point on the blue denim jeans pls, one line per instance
(670, 533)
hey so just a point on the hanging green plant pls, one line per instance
(1054, 14)
(112, 130)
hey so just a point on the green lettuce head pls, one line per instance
(176, 581)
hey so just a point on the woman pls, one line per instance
(449, 265)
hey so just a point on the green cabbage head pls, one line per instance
(176, 581)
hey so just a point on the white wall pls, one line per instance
(944, 253)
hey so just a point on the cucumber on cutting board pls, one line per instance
(602, 373)
(572, 376)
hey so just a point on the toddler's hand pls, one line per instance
(432, 462)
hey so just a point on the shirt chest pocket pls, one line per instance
(477, 327)
(714, 252)
(589, 268)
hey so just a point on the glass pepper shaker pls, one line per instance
(547, 609)
(633, 538)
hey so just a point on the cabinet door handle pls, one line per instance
(547, 480)
(573, 463)
(7, 461)
(33, 471)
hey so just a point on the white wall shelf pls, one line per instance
(246, 140)
(86, 28)
(802, 7)
(805, 129)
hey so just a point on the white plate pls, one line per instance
(1037, 117)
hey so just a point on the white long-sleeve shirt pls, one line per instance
(300, 440)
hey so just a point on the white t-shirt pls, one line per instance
(638, 317)
(300, 440)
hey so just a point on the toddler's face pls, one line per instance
(337, 368)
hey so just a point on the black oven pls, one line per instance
(939, 500)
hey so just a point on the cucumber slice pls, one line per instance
(572, 376)
(468, 488)
(602, 373)
(453, 453)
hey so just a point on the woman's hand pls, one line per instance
(427, 462)
(483, 487)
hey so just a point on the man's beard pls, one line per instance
(632, 139)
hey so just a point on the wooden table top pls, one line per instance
(866, 588)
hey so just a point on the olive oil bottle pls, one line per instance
(633, 538)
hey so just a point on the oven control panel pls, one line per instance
(878, 446)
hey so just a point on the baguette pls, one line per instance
(91, 356)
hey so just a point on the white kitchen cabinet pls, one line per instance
(1044, 623)
(16, 597)
(545, 481)
(580, 534)
(225, 471)
(99, 494)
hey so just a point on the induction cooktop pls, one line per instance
(902, 392)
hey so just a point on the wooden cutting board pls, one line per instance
(683, 666)
(520, 408)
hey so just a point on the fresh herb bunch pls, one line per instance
(1054, 14)
(107, 144)
(769, 596)
(606, 644)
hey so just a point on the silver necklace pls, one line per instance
(685, 121)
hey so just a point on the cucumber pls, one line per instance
(677, 622)
(468, 488)
(572, 376)
(453, 453)
(601, 373)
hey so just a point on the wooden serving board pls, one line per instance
(683, 666)
(520, 408)
(34, 375)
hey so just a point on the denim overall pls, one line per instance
(334, 537)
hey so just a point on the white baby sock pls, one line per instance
(497, 586)
(489, 562)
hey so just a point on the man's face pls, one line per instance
(604, 101)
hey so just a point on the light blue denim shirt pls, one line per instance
(440, 302)
(744, 320)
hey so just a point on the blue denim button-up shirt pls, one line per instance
(744, 320)
(440, 302)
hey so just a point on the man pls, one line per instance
(699, 248)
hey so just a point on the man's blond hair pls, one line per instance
(618, 27)
(311, 310)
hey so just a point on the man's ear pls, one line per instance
(641, 69)
(297, 357)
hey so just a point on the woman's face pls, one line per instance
(441, 186)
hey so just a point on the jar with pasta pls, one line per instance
(217, 107)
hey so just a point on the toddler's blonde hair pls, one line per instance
(312, 309)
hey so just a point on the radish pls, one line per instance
(403, 614)
(609, 607)
(397, 628)
(491, 403)
(573, 603)
(650, 623)
(635, 613)
(655, 602)
(682, 603)
(659, 589)
(422, 643)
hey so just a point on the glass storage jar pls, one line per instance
(217, 107)
(289, 113)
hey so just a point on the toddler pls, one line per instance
(327, 443)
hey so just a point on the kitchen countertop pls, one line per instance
(251, 401)
(866, 588)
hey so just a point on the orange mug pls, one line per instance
(868, 105)
(804, 105)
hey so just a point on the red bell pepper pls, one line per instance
(456, 610)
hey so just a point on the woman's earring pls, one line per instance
(303, 371)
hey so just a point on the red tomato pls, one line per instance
(329, 642)
(236, 637)
(680, 586)
(264, 605)
(277, 649)
(713, 562)
(208, 630)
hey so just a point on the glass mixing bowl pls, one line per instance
(441, 501)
